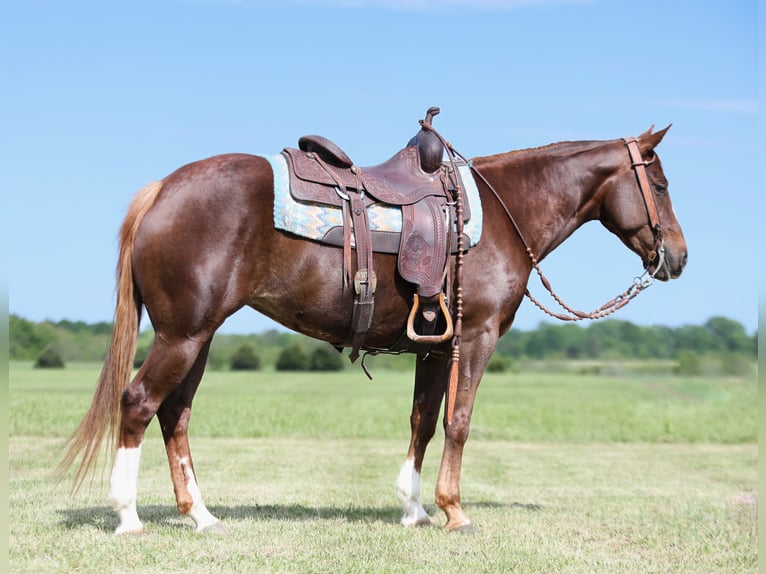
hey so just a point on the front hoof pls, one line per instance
(215, 528)
(416, 517)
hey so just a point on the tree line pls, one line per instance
(612, 339)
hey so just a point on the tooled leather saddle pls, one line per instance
(415, 180)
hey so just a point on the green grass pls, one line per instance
(519, 407)
(563, 473)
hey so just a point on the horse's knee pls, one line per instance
(457, 431)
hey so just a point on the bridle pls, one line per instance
(639, 283)
(639, 167)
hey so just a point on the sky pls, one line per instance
(102, 97)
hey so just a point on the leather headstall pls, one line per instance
(639, 166)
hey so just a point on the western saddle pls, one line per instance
(417, 181)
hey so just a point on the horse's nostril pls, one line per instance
(684, 259)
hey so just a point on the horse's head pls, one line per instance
(636, 207)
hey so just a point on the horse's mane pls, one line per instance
(556, 149)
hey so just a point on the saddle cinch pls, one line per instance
(418, 182)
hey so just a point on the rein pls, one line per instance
(639, 283)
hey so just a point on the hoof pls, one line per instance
(215, 528)
(462, 528)
(419, 519)
(129, 532)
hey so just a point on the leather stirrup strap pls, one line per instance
(365, 281)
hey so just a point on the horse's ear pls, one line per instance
(647, 133)
(648, 140)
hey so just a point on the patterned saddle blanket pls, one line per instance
(324, 223)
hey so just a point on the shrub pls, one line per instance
(736, 364)
(50, 359)
(292, 358)
(325, 359)
(689, 363)
(245, 359)
(497, 364)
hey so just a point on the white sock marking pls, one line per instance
(124, 488)
(198, 512)
(408, 492)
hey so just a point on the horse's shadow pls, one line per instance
(104, 519)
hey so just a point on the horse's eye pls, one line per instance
(659, 188)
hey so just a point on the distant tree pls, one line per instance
(731, 334)
(245, 359)
(50, 359)
(542, 341)
(695, 338)
(325, 359)
(28, 339)
(102, 328)
(659, 342)
(574, 340)
(513, 343)
(292, 358)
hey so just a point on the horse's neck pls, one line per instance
(549, 191)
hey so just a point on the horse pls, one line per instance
(201, 244)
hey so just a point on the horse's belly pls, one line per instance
(311, 298)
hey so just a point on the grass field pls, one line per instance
(563, 473)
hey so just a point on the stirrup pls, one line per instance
(430, 339)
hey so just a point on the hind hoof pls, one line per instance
(462, 528)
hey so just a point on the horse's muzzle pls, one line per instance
(668, 266)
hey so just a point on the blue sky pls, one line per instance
(102, 97)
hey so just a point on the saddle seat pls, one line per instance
(397, 181)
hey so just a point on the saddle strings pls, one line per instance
(458, 325)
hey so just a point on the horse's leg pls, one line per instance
(430, 380)
(174, 415)
(166, 366)
(474, 358)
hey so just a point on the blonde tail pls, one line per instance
(103, 417)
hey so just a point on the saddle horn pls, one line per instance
(429, 146)
(430, 113)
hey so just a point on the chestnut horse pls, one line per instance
(201, 244)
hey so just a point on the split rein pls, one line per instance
(639, 283)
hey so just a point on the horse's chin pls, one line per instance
(661, 275)
(664, 274)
